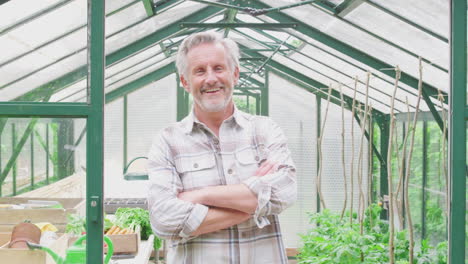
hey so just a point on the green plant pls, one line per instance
(76, 224)
(334, 240)
(132, 217)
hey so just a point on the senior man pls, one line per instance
(220, 177)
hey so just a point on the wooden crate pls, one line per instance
(22, 256)
(128, 243)
(56, 216)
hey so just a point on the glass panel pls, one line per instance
(73, 93)
(149, 26)
(348, 34)
(127, 16)
(408, 37)
(432, 14)
(436, 191)
(415, 183)
(43, 159)
(293, 109)
(42, 51)
(10, 15)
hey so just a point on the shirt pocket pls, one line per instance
(247, 161)
(197, 171)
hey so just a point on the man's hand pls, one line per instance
(265, 168)
(191, 196)
(237, 196)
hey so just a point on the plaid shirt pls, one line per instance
(186, 156)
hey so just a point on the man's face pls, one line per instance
(209, 77)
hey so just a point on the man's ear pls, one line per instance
(236, 75)
(185, 83)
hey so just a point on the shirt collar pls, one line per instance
(188, 122)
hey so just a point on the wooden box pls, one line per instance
(128, 243)
(22, 256)
(56, 216)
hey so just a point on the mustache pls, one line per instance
(208, 87)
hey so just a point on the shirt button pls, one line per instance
(257, 158)
(195, 165)
(230, 171)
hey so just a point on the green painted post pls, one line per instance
(95, 133)
(318, 117)
(64, 147)
(47, 153)
(424, 181)
(265, 97)
(125, 130)
(257, 105)
(31, 141)
(1, 150)
(180, 100)
(13, 144)
(457, 133)
(384, 124)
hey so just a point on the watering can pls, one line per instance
(76, 253)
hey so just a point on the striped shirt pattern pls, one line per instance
(187, 156)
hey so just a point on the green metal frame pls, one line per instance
(150, 10)
(457, 132)
(312, 69)
(374, 35)
(127, 51)
(383, 122)
(95, 133)
(346, 49)
(318, 124)
(264, 26)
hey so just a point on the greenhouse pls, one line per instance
(370, 94)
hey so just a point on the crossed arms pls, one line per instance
(229, 204)
(179, 215)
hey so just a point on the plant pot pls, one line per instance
(22, 233)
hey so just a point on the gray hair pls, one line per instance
(231, 48)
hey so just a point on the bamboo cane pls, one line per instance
(444, 152)
(371, 161)
(319, 176)
(389, 171)
(343, 153)
(408, 166)
(401, 173)
(351, 177)
(360, 158)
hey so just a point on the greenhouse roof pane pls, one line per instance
(149, 26)
(10, 15)
(135, 59)
(404, 35)
(345, 73)
(43, 46)
(52, 25)
(132, 14)
(32, 35)
(114, 5)
(43, 76)
(432, 14)
(70, 93)
(141, 67)
(138, 75)
(372, 46)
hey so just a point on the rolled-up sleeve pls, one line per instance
(170, 217)
(278, 190)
